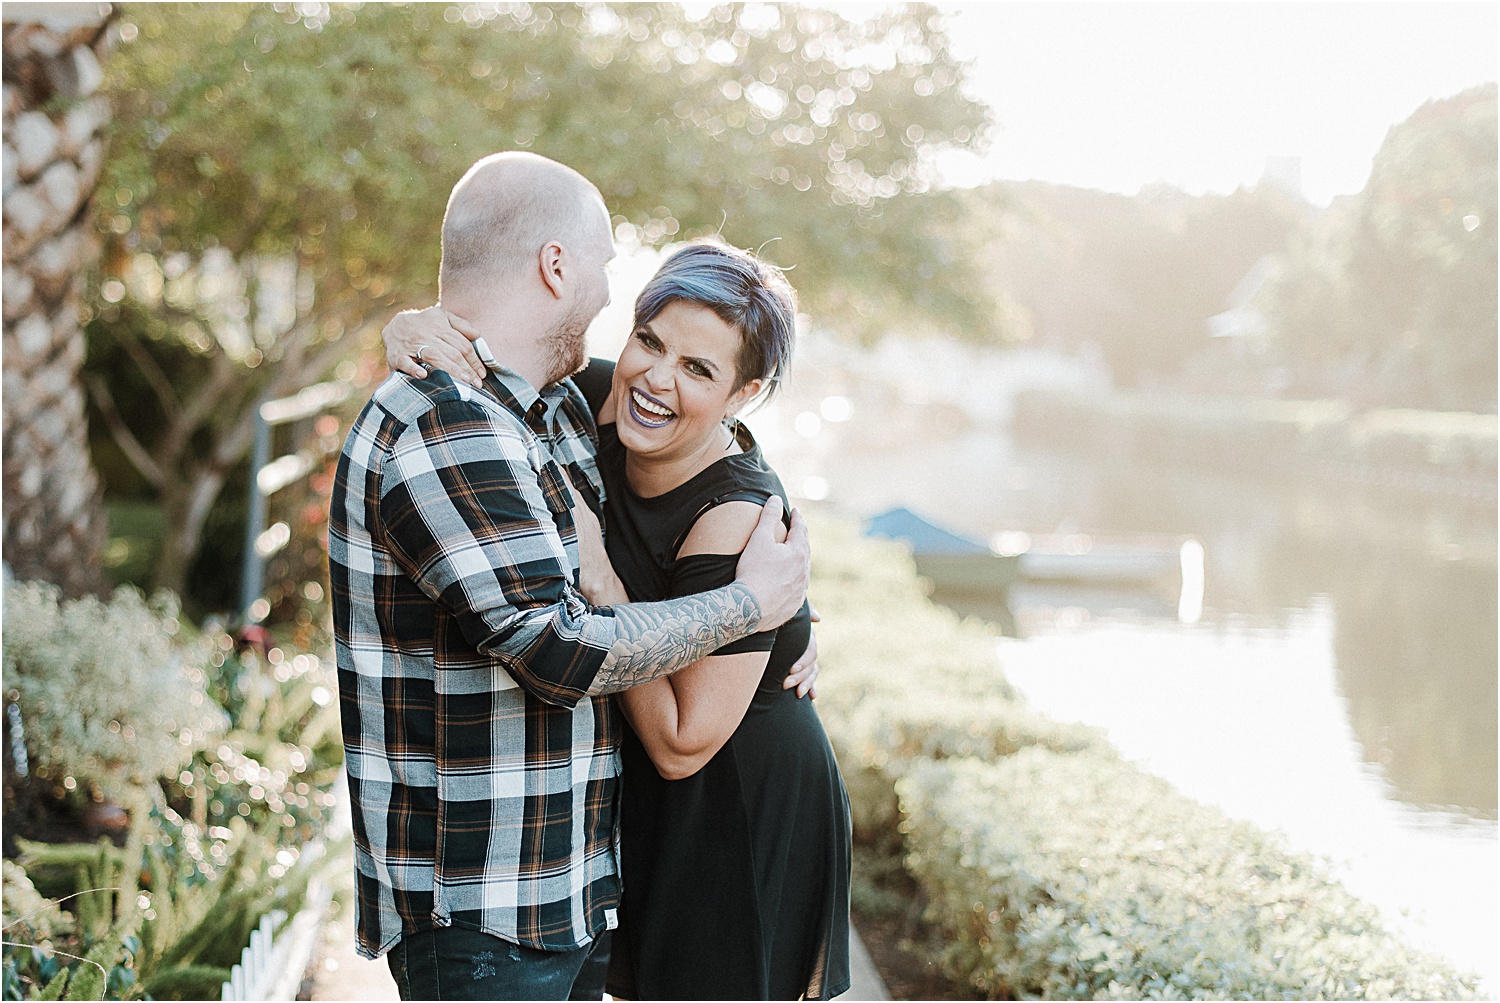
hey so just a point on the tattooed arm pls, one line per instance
(656, 639)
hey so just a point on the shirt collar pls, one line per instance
(520, 397)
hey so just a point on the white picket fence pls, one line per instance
(272, 966)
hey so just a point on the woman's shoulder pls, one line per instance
(741, 484)
(747, 471)
(724, 528)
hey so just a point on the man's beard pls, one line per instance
(566, 347)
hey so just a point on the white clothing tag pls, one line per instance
(611, 919)
(485, 355)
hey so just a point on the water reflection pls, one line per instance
(1419, 675)
(1412, 588)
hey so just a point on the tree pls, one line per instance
(1135, 276)
(280, 175)
(1393, 300)
(54, 522)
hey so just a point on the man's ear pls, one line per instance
(553, 261)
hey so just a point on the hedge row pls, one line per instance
(1054, 868)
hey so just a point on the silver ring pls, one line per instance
(418, 356)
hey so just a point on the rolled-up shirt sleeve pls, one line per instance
(482, 523)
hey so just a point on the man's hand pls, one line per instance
(804, 671)
(442, 339)
(776, 573)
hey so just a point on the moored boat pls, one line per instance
(951, 562)
(958, 563)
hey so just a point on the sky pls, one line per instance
(1120, 95)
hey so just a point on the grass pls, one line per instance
(135, 533)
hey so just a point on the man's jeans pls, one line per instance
(455, 963)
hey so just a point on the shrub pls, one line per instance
(106, 693)
(176, 935)
(27, 914)
(218, 836)
(1080, 877)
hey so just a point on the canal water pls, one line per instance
(1339, 685)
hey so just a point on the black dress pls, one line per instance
(736, 879)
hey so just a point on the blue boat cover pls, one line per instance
(925, 538)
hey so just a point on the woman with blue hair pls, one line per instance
(735, 826)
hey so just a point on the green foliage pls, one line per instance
(194, 914)
(335, 136)
(108, 697)
(889, 701)
(1392, 299)
(1053, 868)
(26, 912)
(1080, 877)
(190, 982)
(53, 990)
(278, 175)
(192, 918)
(90, 978)
(284, 749)
(169, 914)
(98, 952)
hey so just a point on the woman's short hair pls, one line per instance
(750, 295)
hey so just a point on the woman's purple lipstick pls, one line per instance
(648, 411)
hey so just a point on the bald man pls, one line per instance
(481, 748)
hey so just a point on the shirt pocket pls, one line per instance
(554, 487)
(585, 475)
(560, 505)
(553, 483)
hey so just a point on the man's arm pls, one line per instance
(471, 523)
(655, 639)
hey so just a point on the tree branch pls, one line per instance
(210, 395)
(154, 375)
(124, 438)
(233, 443)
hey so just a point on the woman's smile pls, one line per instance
(649, 411)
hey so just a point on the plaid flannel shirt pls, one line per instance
(482, 776)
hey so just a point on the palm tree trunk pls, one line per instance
(54, 524)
